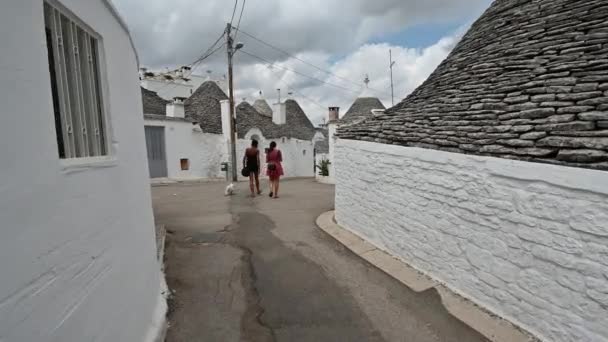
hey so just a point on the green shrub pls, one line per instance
(324, 167)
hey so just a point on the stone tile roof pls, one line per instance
(153, 104)
(298, 125)
(528, 81)
(362, 109)
(247, 118)
(204, 107)
(262, 107)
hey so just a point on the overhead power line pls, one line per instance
(239, 23)
(299, 93)
(236, 2)
(274, 65)
(358, 84)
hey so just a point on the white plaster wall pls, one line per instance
(331, 128)
(77, 253)
(296, 163)
(205, 151)
(528, 241)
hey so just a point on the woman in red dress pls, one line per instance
(274, 169)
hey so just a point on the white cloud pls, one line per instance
(413, 65)
(173, 33)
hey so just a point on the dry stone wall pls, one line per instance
(528, 81)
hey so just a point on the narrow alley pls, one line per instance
(245, 269)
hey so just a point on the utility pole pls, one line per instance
(391, 64)
(231, 50)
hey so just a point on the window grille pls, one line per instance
(73, 54)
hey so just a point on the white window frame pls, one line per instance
(81, 150)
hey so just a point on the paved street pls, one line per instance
(260, 270)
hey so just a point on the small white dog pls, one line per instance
(229, 190)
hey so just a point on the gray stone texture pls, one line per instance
(362, 109)
(152, 103)
(524, 63)
(204, 107)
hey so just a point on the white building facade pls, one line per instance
(193, 142)
(78, 251)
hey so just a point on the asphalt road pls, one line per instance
(259, 269)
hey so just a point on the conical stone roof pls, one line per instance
(204, 107)
(529, 81)
(298, 125)
(152, 103)
(362, 109)
(247, 117)
(262, 107)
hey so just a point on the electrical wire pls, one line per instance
(358, 84)
(299, 93)
(239, 23)
(236, 2)
(299, 73)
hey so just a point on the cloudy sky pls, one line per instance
(343, 39)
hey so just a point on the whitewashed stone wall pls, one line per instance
(332, 142)
(528, 241)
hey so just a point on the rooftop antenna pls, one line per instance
(391, 64)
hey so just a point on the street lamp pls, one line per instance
(231, 50)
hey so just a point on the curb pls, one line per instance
(486, 323)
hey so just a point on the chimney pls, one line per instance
(225, 114)
(175, 109)
(334, 114)
(279, 113)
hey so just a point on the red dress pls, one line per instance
(274, 157)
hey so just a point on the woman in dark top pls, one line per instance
(252, 163)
